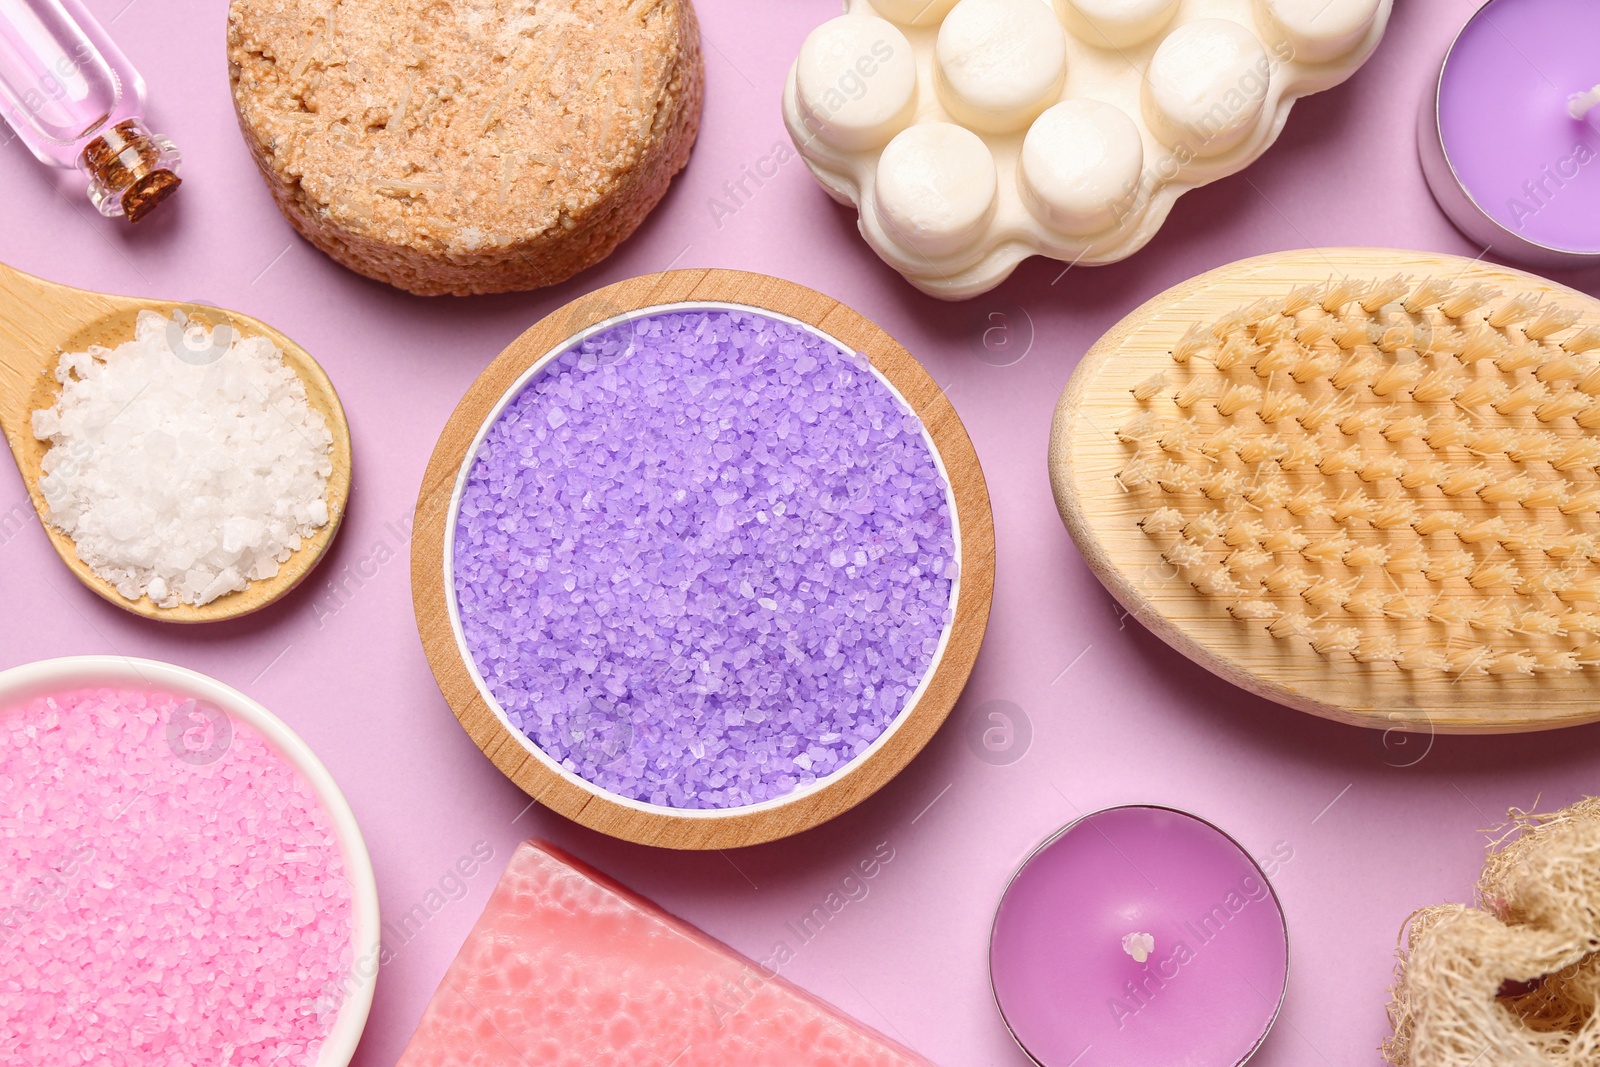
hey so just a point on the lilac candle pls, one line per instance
(1139, 936)
(704, 558)
(1509, 139)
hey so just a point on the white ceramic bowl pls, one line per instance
(21, 684)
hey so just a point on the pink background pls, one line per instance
(1116, 717)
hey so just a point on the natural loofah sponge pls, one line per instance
(1515, 981)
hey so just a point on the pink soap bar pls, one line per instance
(566, 967)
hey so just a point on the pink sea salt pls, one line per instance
(566, 968)
(704, 558)
(171, 890)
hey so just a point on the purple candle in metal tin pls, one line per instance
(1139, 936)
(1511, 138)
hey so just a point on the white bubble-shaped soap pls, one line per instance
(1116, 23)
(936, 186)
(1319, 30)
(914, 12)
(1206, 85)
(856, 82)
(1081, 164)
(1060, 128)
(1000, 62)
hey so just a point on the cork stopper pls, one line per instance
(130, 170)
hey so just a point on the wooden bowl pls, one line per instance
(517, 756)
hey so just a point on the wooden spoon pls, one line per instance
(39, 320)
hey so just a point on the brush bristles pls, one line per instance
(1237, 398)
(1395, 377)
(1193, 343)
(1402, 429)
(1561, 368)
(1381, 294)
(1429, 291)
(1472, 298)
(1520, 398)
(1483, 391)
(1515, 358)
(1439, 337)
(1563, 405)
(1480, 344)
(1234, 351)
(1309, 368)
(1356, 333)
(1397, 473)
(1301, 299)
(1585, 340)
(1551, 320)
(1195, 391)
(1280, 405)
(1336, 294)
(1278, 359)
(1272, 329)
(1514, 310)
(1150, 388)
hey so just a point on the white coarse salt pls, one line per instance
(183, 478)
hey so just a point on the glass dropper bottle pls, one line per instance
(76, 102)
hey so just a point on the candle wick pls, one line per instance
(1139, 945)
(1580, 104)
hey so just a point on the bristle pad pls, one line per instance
(1425, 497)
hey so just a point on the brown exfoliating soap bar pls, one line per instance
(471, 146)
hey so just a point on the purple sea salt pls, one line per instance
(704, 558)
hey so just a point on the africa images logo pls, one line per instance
(1160, 970)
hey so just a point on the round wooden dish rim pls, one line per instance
(517, 755)
(534, 370)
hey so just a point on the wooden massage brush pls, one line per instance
(1363, 483)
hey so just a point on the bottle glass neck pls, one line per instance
(62, 81)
